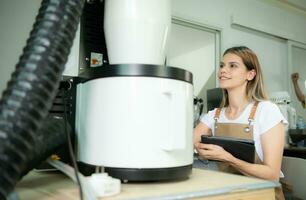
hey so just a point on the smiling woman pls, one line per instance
(233, 74)
(245, 113)
(245, 68)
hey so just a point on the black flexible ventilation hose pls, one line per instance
(30, 92)
(51, 136)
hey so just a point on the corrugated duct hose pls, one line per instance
(30, 92)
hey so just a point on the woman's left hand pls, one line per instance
(213, 152)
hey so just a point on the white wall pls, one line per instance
(16, 19)
(272, 51)
(194, 50)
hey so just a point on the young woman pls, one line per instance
(245, 113)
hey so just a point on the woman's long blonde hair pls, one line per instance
(255, 89)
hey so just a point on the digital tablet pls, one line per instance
(239, 148)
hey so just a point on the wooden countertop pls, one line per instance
(202, 184)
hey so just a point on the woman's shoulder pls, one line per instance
(212, 112)
(267, 109)
(267, 116)
(267, 105)
(208, 118)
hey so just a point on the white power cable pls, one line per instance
(95, 186)
(69, 171)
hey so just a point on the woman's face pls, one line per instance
(233, 73)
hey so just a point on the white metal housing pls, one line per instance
(135, 122)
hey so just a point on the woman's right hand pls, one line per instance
(213, 152)
(200, 129)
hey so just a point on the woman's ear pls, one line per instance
(251, 75)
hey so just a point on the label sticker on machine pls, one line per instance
(96, 59)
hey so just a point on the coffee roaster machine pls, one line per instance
(131, 114)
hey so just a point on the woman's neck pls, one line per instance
(238, 101)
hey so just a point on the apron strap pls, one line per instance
(250, 119)
(216, 117)
(253, 111)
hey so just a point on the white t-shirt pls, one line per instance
(267, 116)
